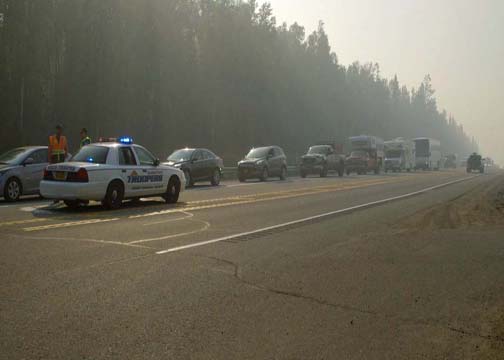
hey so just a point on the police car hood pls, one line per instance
(73, 166)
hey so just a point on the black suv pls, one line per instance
(261, 163)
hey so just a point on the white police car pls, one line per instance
(111, 171)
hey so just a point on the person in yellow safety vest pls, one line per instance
(58, 146)
(85, 139)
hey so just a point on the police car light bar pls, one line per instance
(126, 140)
(123, 140)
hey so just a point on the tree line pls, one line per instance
(220, 74)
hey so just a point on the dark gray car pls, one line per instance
(21, 170)
(197, 165)
(261, 163)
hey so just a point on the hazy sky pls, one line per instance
(460, 43)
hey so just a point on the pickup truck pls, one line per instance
(320, 159)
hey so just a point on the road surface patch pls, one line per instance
(311, 219)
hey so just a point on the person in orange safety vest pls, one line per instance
(58, 146)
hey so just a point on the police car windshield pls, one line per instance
(12, 157)
(92, 154)
(322, 150)
(181, 155)
(258, 153)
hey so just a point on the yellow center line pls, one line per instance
(250, 199)
(330, 187)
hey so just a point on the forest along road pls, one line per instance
(398, 266)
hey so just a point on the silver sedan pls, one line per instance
(21, 170)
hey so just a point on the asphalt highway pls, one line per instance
(299, 269)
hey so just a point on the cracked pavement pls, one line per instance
(419, 278)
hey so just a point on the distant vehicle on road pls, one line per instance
(399, 155)
(197, 165)
(450, 161)
(21, 170)
(367, 155)
(110, 172)
(263, 162)
(475, 163)
(428, 154)
(322, 158)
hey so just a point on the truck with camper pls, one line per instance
(427, 154)
(367, 154)
(399, 155)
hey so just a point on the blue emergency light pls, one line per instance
(126, 140)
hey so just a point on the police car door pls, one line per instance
(129, 170)
(152, 180)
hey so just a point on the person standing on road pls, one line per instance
(85, 139)
(58, 146)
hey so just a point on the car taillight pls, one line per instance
(48, 175)
(79, 176)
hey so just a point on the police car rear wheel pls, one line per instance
(114, 197)
(12, 190)
(173, 191)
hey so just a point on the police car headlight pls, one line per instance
(260, 163)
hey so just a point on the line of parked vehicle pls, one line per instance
(116, 169)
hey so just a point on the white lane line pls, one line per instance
(248, 184)
(69, 224)
(186, 217)
(311, 218)
(205, 227)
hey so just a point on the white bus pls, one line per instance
(428, 154)
(400, 155)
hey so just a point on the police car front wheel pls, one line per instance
(172, 191)
(114, 197)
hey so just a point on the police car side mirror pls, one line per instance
(28, 161)
(157, 162)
